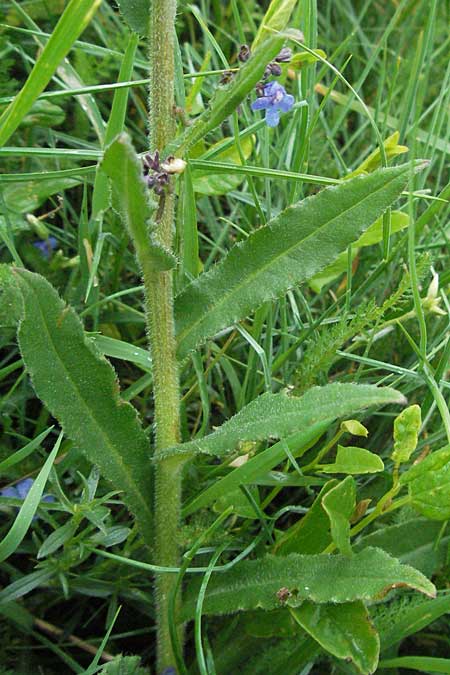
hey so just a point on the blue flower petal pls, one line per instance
(10, 492)
(273, 88)
(261, 103)
(286, 103)
(272, 117)
(24, 487)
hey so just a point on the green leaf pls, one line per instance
(429, 485)
(339, 504)
(293, 247)
(406, 433)
(57, 539)
(273, 581)
(424, 664)
(302, 59)
(44, 114)
(373, 161)
(29, 507)
(72, 23)
(345, 631)
(311, 534)
(278, 415)
(354, 428)
(130, 198)
(275, 19)
(136, 14)
(207, 183)
(355, 460)
(80, 388)
(26, 197)
(373, 235)
(227, 98)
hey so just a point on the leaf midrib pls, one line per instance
(250, 278)
(103, 433)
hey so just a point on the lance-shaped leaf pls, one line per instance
(131, 200)
(278, 415)
(345, 631)
(227, 98)
(292, 248)
(339, 504)
(273, 581)
(79, 388)
(429, 485)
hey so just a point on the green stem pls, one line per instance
(161, 328)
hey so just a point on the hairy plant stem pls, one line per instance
(161, 328)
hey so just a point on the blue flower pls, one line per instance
(273, 100)
(21, 490)
(46, 246)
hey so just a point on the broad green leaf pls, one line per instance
(293, 247)
(80, 388)
(227, 98)
(276, 623)
(374, 235)
(278, 415)
(136, 14)
(275, 19)
(29, 507)
(429, 485)
(131, 199)
(355, 428)
(417, 542)
(72, 23)
(345, 631)
(44, 114)
(339, 504)
(353, 460)
(274, 581)
(311, 534)
(406, 433)
(207, 183)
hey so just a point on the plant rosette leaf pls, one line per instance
(353, 460)
(429, 485)
(345, 631)
(339, 504)
(80, 388)
(275, 581)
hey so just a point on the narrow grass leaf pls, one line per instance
(291, 249)
(72, 23)
(29, 507)
(24, 452)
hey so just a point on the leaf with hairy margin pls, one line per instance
(278, 415)
(80, 388)
(274, 581)
(295, 245)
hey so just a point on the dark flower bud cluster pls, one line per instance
(272, 96)
(156, 177)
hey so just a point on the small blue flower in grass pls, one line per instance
(46, 246)
(21, 490)
(273, 100)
